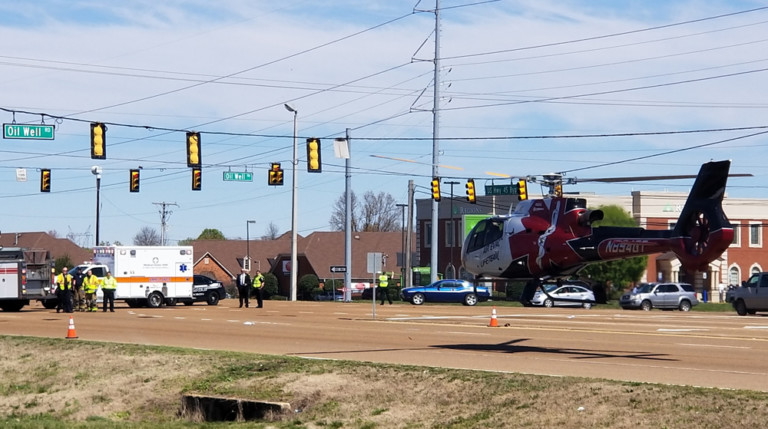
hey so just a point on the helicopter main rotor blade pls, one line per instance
(646, 178)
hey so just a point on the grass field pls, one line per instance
(52, 383)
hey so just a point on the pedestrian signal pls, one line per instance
(275, 177)
(471, 197)
(522, 190)
(194, 157)
(313, 156)
(134, 180)
(98, 141)
(436, 189)
(197, 179)
(45, 180)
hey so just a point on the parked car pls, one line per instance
(205, 289)
(446, 291)
(661, 295)
(330, 296)
(567, 294)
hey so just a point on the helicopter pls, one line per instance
(554, 237)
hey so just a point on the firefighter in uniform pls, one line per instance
(383, 283)
(258, 286)
(77, 289)
(90, 286)
(64, 291)
(109, 287)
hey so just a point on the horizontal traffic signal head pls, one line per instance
(314, 164)
(134, 184)
(194, 157)
(98, 140)
(197, 179)
(471, 197)
(275, 177)
(45, 180)
(436, 189)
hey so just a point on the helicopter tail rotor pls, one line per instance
(702, 229)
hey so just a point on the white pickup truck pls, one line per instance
(752, 296)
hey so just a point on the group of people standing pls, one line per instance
(78, 292)
(247, 288)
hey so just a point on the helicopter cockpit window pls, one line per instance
(484, 233)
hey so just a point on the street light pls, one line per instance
(294, 251)
(96, 170)
(248, 243)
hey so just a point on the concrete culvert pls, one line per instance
(221, 409)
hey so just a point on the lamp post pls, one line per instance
(294, 251)
(248, 243)
(96, 170)
(402, 230)
(453, 232)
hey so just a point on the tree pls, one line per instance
(307, 283)
(272, 232)
(618, 272)
(211, 234)
(378, 213)
(338, 215)
(147, 236)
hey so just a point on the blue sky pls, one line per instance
(511, 69)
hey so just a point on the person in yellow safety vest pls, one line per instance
(258, 285)
(64, 291)
(108, 287)
(90, 286)
(383, 283)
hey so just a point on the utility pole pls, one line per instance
(164, 214)
(453, 236)
(408, 235)
(435, 145)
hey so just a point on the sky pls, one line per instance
(587, 88)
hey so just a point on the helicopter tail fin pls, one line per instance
(703, 232)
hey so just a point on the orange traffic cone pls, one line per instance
(71, 334)
(494, 322)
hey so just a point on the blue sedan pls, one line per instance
(446, 291)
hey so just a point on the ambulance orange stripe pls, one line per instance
(152, 279)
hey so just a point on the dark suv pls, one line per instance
(205, 289)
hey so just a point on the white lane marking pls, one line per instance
(681, 330)
(179, 318)
(755, 327)
(207, 320)
(714, 346)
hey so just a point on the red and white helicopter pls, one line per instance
(553, 237)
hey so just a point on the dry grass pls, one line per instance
(61, 383)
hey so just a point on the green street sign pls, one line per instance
(501, 190)
(28, 132)
(237, 176)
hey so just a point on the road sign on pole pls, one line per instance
(338, 268)
(374, 262)
(28, 132)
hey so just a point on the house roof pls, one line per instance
(57, 247)
(322, 250)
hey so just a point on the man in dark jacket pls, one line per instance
(244, 287)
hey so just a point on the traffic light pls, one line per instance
(197, 179)
(98, 141)
(134, 180)
(45, 180)
(558, 189)
(436, 189)
(194, 157)
(522, 190)
(471, 191)
(313, 156)
(275, 175)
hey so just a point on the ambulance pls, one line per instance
(146, 275)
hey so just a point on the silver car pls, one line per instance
(661, 295)
(567, 295)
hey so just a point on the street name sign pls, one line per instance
(501, 190)
(28, 132)
(237, 176)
